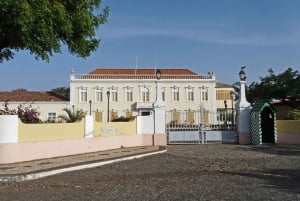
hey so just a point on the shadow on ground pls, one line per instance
(274, 149)
(283, 179)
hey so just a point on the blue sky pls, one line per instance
(202, 35)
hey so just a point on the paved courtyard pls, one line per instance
(184, 172)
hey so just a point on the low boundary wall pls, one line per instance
(27, 151)
(288, 131)
(50, 131)
(21, 142)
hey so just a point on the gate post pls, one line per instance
(202, 132)
(243, 112)
(159, 108)
(88, 126)
(9, 128)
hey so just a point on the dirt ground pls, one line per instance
(184, 172)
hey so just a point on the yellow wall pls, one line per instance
(115, 128)
(288, 126)
(50, 131)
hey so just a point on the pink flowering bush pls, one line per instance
(27, 114)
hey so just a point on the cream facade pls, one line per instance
(47, 110)
(132, 92)
(47, 104)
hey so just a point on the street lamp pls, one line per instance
(90, 102)
(158, 74)
(232, 111)
(242, 74)
(225, 104)
(158, 99)
(108, 95)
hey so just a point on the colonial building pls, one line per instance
(48, 104)
(109, 94)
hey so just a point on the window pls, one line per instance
(175, 117)
(51, 116)
(190, 117)
(145, 94)
(83, 95)
(163, 94)
(98, 95)
(204, 94)
(175, 94)
(128, 94)
(98, 117)
(128, 114)
(224, 95)
(114, 115)
(190, 94)
(114, 95)
(145, 113)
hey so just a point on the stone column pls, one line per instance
(88, 126)
(243, 108)
(159, 108)
(9, 128)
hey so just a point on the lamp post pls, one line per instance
(90, 102)
(158, 74)
(108, 95)
(225, 104)
(243, 108)
(158, 99)
(242, 102)
(242, 74)
(232, 111)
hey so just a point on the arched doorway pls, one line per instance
(267, 125)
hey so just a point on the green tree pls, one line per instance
(284, 86)
(43, 26)
(62, 91)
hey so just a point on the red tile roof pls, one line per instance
(30, 96)
(120, 71)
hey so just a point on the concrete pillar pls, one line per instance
(159, 108)
(243, 108)
(88, 126)
(9, 128)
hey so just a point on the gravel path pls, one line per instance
(184, 172)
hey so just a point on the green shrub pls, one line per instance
(293, 114)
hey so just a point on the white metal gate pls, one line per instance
(201, 131)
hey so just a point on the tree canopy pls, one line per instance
(284, 86)
(43, 26)
(62, 91)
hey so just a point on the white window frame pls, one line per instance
(145, 94)
(128, 94)
(83, 90)
(49, 116)
(114, 95)
(175, 94)
(190, 94)
(98, 92)
(163, 94)
(204, 94)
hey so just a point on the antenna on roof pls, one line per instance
(155, 63)
(136, 62)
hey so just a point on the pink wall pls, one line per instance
(27, 151)
(287, 138)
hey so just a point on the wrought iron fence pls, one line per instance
(200, 127)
